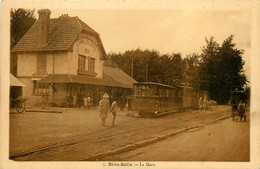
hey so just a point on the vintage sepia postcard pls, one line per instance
(130, 84)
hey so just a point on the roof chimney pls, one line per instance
(44, 24)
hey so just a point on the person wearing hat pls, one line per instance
(113, 109)
(200, 103)
(205, 104)
(103, 107)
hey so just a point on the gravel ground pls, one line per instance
(222, 141)
(31, 130)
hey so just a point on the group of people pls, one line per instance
(87, 102)
(83, 100)
(204, 104)
(104, 108)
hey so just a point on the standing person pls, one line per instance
(85, 102)
(74, 101)
(121, 103)
(111, 99)
(113, 109)
(200, 104)
(103, 108)
(88, 101)
(129, 100)
(205, 104)
(241, 108)
(80, 99)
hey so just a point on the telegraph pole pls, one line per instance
(132, 67)
(146, 71)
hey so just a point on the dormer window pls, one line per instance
(86, 65)
(82, 63)
(91, 64)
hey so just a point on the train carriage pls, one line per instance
(154, 98)
(187, 97)
(195, 98)
(196, 94)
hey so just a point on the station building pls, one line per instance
(62, 60)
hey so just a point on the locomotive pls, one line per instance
(151, 99)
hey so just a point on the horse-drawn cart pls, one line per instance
(238, 104)
(17, 102)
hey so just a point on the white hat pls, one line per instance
(105, 96)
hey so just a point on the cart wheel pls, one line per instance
(143, 114)
(20, 108)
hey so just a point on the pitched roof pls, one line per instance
(62, 33)
(118, 75)
(81, 79)
(154, 83)
(112, 77)
(15, 82)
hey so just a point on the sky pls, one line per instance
(167, 31)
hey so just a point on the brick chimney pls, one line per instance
(44, 24)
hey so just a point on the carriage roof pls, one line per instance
(153, 83)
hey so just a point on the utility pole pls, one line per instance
(132, 67)
(146, 71)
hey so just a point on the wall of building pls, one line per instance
(27, 92)
(60, 62)
(86, 46)
(60, 93)
(63, 63)
(26, 64)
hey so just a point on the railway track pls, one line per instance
(59, 144)
(114, 133)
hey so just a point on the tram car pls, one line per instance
(152, 99)
(235, 98)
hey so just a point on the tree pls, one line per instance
(145, 63)
(191, 70)
(172, 69)
(21, 22)
(150, 66)
(221, 70)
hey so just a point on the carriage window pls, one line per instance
(173, 93)
(160, 92)
(143, 90)
(150, 91)
(137, 90)
(153, 91)
(166, 93)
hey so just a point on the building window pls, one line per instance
(86, 65)
(40, 89)
(91, 64)
(82, 62)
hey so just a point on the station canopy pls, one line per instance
(112, 77)
(15, 82)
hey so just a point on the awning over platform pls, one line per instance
(116, 74)
(81, 79)
(15, 82)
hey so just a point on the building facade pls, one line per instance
(62, 60)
